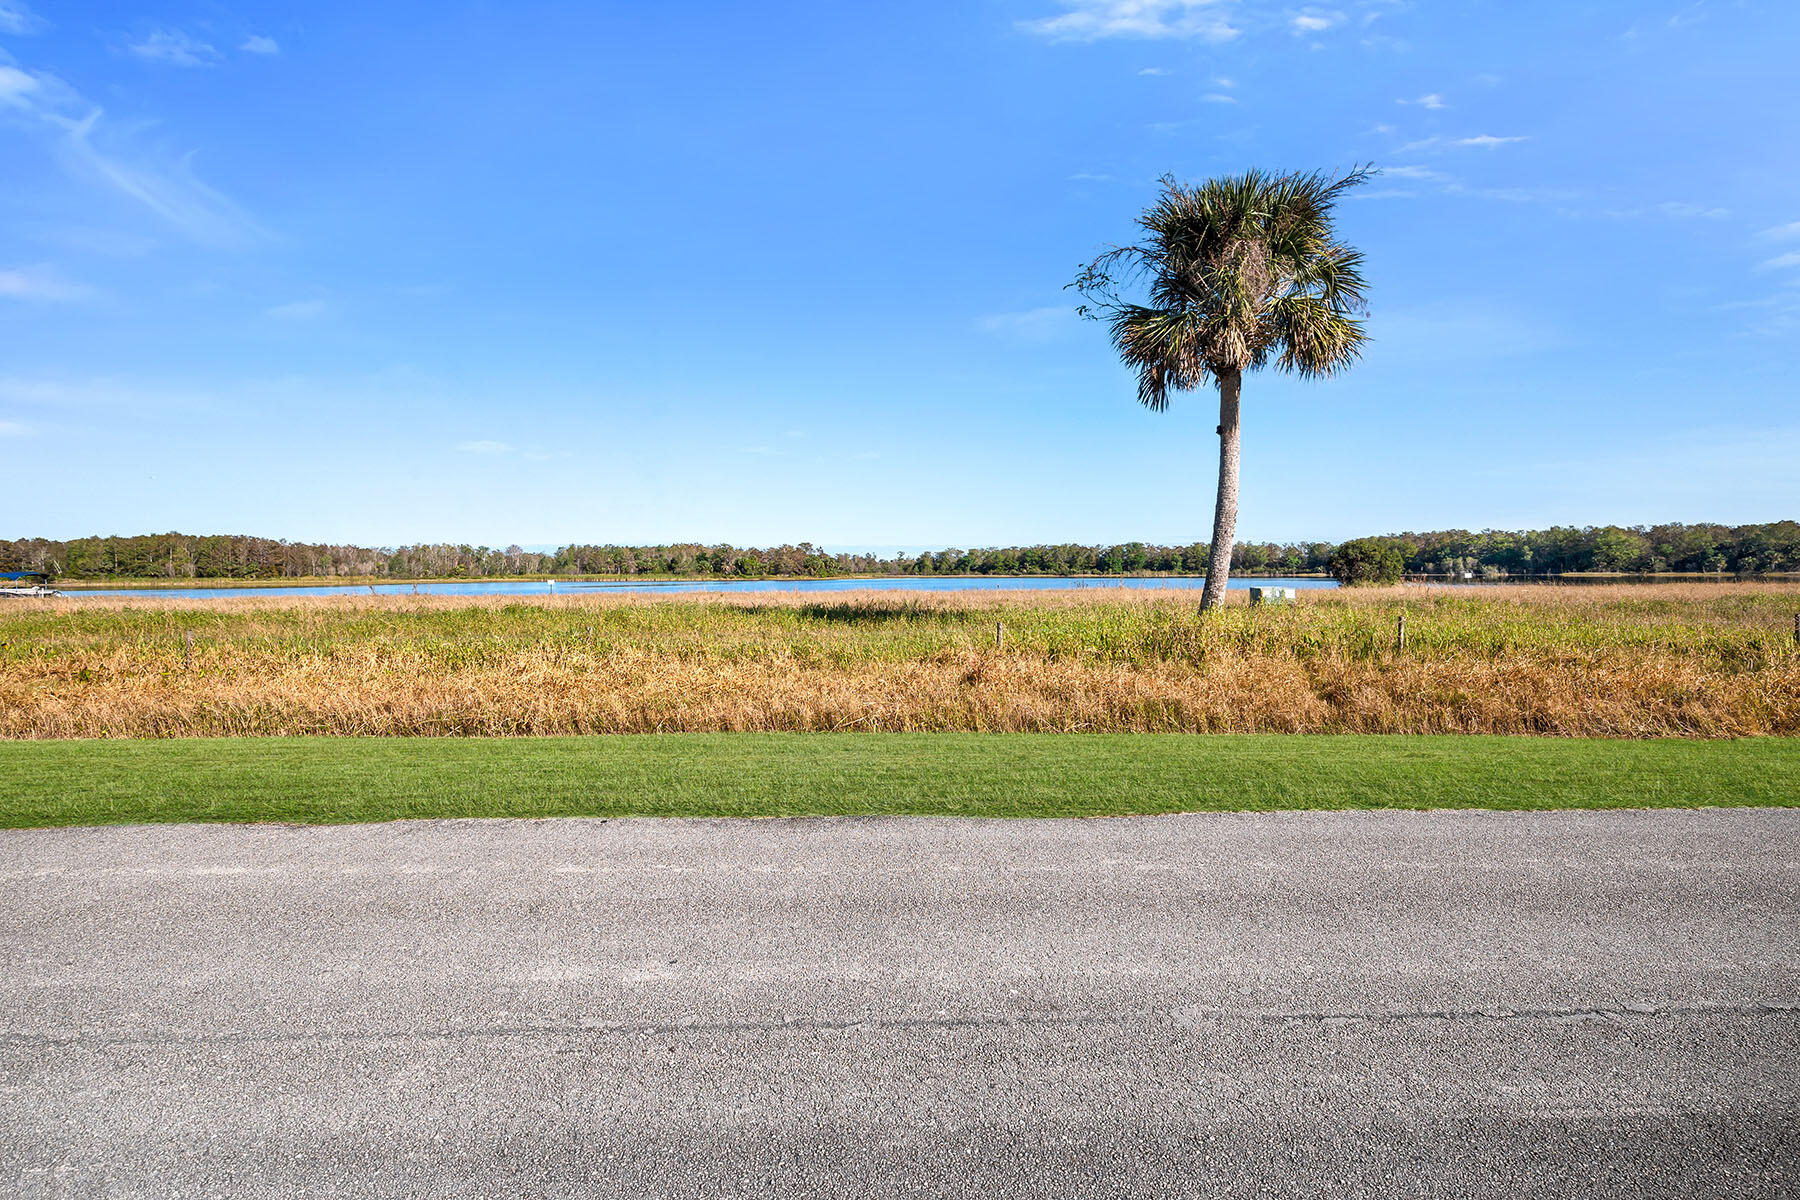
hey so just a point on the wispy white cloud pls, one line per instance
(1218, 98)
(1154, 71)
(1089, 177)
(1458, 330)
(1672, 209)
(1413, 171)
(170, 189)
(16, 87)
(120, 159)
(1483, 141)
(40, 283)
(507, 449)
(1430, 100)
(1202, 20)
(112, 398)
(14, 429)
(1450, 185)
(18, 20)
(1515, 195)
(1314, 20)
(1032, 325)
(1678, 209)
(1772, 316)
(1780, 262)
(1092, 20)
(1223, 81)
(299, 310)
(1687, 16)
(256, 43)
(174, 47)
(1781, 321)
(1782, 233)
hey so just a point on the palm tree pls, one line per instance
(1237, 271)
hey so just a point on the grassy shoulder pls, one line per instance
(323, 780)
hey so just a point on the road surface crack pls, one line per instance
(1185, 1016)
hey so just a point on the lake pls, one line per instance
(541, 587)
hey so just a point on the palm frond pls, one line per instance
(1315, 339)
(1335, 276)
(1164, 346)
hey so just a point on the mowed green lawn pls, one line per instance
(322, 780)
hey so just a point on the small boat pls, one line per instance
(28, 584)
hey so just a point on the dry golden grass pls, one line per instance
(1700, 660)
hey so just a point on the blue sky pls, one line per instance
(515, 272)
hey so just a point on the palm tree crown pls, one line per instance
(1238, 269)
(1236, 272)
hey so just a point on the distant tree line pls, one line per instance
(1737, 549)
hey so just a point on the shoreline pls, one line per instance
(365, 581)
(358, 581)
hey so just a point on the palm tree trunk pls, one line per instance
(1218, 560)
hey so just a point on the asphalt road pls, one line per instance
(1297, 1004)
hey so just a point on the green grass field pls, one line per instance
(329, 780)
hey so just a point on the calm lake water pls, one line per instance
(901, 583)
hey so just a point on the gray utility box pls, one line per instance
(1271, 595)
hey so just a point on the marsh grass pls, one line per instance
(1636, 660)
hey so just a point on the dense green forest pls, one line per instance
(1738, 549)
